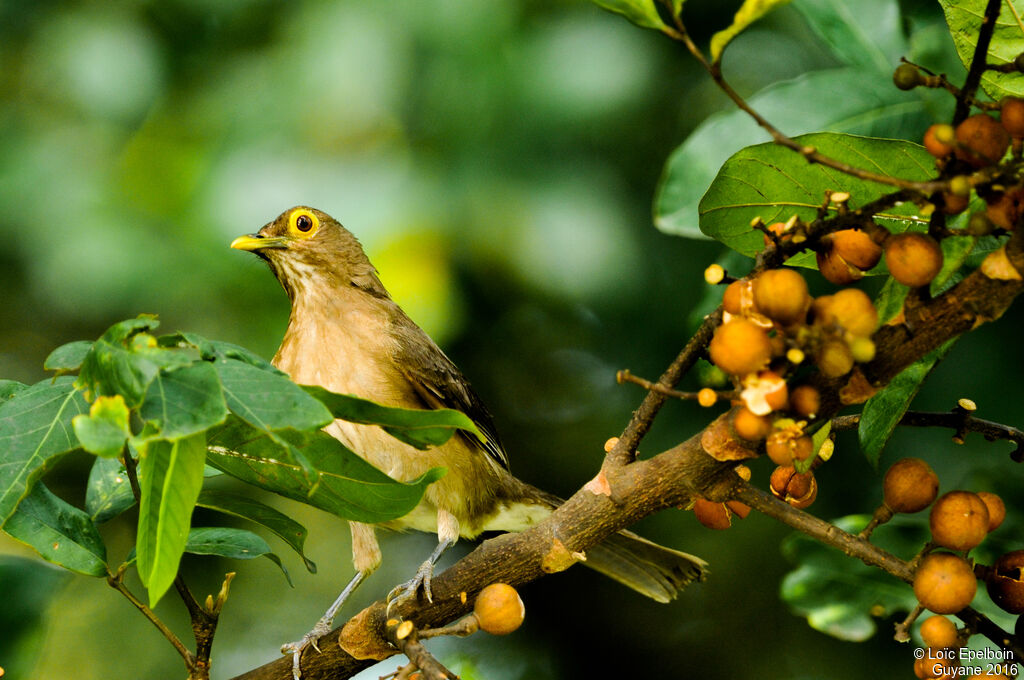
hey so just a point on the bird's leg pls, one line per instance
(447, 536)
(366, 557)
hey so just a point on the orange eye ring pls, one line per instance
(303, 223)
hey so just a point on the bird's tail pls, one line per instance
(646, 567)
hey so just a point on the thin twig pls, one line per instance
(624, 451)
(116, 581)
(960, 421)
(867, 552)
(403, 635)
(625, 376)
(809, 153)
(978, 61)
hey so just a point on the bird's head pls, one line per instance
(308, 250)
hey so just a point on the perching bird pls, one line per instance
(347, 335)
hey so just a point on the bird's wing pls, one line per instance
(440, 384)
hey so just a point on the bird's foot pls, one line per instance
(322, 627)
(410, 588)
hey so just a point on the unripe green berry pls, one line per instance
(906, 77)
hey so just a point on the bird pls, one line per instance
(346, 334)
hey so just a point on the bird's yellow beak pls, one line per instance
(254, 242)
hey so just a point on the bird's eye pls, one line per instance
(303, 223)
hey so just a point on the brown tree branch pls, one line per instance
(960, 421)
(978, 61)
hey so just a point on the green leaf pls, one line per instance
(641, 12)
(108, 492)
(955, 250)
(342, 483)
(125, 360)
(35, 430)
(170, 476)
(883, 411)
(964, 20)
(890, 299)
(68, 358)
(421, 428)
(774, 183)
(749, 12)
(9, 388)
(290, 531)
(236, 544)
(216, 349)
(843, 597)
(104, 430)
(185, 400)
(817, 439)
(269, 401)
(868, 34)
(853, 100)
(59, 532)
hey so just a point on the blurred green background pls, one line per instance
(498, 161)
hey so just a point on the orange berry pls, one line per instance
(749, 426)
(938, 631)
(785, 446)
(738, 297)
(939, 140)
(982, 140)
(498, 609)
(834, 359)
(954, 204)
(707, 397)
(913, 258)
(996, 509)
(959, 520)
(781, 295)
(944, 583)
(1012, 116)
(1006, 583)
(850, 309)
(910, 485)
(805, 400)
(740, 346)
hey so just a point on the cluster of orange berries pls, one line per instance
(946, 582)
(977, 142)
(770, 326)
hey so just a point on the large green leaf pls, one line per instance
(60, 532)
(35, 430)
(185, 400)
(749, 12)
(852, 100)
(108, 492)
(269, 401)
(170, 476)
(964, 20)
(883, 411)
(236, 544)
(773, 183)
(290, 531)
(8, 388)
(640, 12)
(421, 428)
(843, 597)
(342, 483)
(868, 34)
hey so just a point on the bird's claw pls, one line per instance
(410, 588)
(308, 640)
